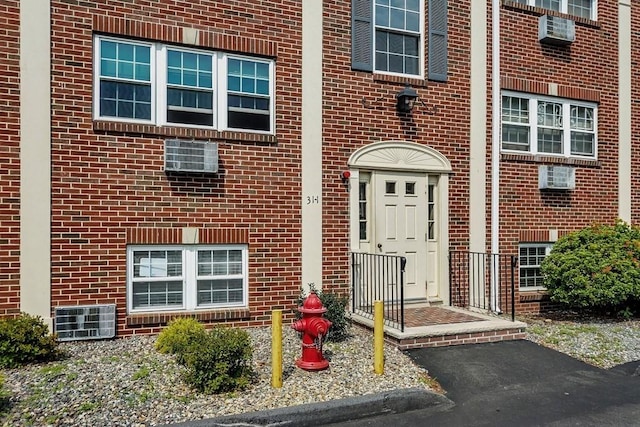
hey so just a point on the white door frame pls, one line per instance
(409, 157)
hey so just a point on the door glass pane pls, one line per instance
(410, 188)
(362, 208)
(390, 187)
(431, 212)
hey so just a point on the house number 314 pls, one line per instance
(312, 200)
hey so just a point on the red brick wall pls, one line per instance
(108, 180)
(587, 70)
(349, 125)
(9, 157)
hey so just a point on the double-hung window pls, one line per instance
(531, 256)
(398, 36)
(389, 37)
(164, 85)
(170, 278)
(550, 126)
(582, 8)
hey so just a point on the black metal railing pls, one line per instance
(378, 278)
(483, 281)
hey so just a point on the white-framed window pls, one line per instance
(399, 36)
(172, 278)
(159, 84)
(531, 256)
(549, 126)
(582, 8)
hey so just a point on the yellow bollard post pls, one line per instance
(378, 337)
(276, 348)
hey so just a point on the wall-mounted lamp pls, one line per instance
(407, 99)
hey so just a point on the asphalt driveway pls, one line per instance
(510, 383)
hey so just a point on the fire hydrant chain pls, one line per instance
(314, 328)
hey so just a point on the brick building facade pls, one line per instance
(286, 96)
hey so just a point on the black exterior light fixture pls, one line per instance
(406, 98)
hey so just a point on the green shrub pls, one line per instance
(26, 339)
(337, 313)
(178, 336)
(220, 361)
(595, 268)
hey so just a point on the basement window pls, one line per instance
(186, 277)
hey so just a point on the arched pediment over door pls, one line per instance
(399, 155)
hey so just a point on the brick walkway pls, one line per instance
(427, 316)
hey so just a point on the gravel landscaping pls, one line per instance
(598, 341)
(125, 382)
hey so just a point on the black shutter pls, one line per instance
(438, 40)
(362, 35)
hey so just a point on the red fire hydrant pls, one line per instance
(314, 328)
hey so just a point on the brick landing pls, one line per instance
(439, 326)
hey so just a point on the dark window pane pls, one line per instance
(411, 46)
(234, 101)
(396, 43)
(205, 100)
(107, 108)
(125, 91)
(381, 41)
(262, 104)
(412, 66)
(246, 102)
(190, 117)
(363, 231)
(245, 120)
(174, 97)
(381, 62)
(108, 90)
(396, 63)
(143, 111)
(189, 99)
(143, 93)
(125, 109)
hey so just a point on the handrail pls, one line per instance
(378, 277)
(471, 276)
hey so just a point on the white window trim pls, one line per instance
(189, 277)
(96, 80)
(159, 85)
(566, 119)
(564, 7)
(547, 251)
(421, 45)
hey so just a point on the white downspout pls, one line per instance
(495, 143)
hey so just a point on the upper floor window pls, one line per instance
(582, 8)
(186, 277)
(167, 85)
(398, 36)
(552, 126)
(389, 36)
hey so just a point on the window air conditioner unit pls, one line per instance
(556, 31)
(190, 156)
(556, 178)
(85, 322)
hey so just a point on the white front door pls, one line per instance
(403, 226)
